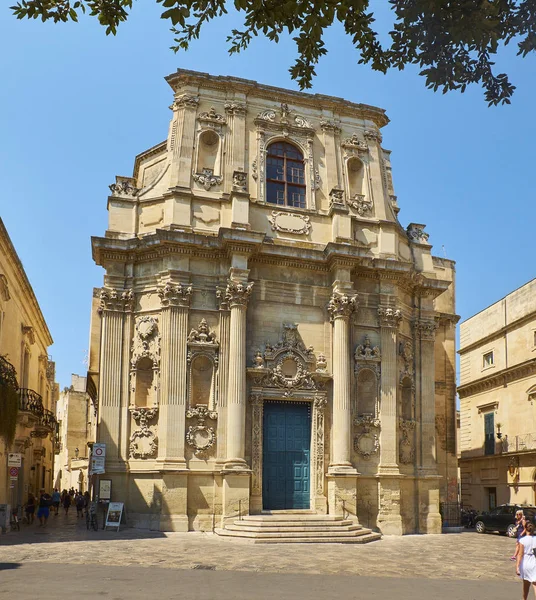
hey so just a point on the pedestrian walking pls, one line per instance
(66, 502)
(520, 531)
(87, 498)
(43, 512)
(56, 498)
(79, 502)
(526, 560)
(30, 509)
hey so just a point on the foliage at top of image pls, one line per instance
(452, 41)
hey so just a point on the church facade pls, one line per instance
(268, 336)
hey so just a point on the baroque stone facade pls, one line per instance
(497, 395)
(255, 264)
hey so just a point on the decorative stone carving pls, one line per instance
(321, 363)
(212, 117)
(201, 437)
(405, 350)
(367, 422)
(360, 204)
(366, 351)
(175, 295)
(237, 294)
(355, 143)
(342, 305)
(330, 126)
(207, 179)
(425, 329)
(289, 222)
(254, 173)
(407, 448)
(235, 108)
(4, 288)
(185, 100)
(319, 406)
(143, 441)
(258, 361)
(300, 121)
(267, 115)
(416, 233)
(202, 335)
(373, 134)
(257, 403)
(146, 342)
(29, 333)
(116, 300)
(366, 444)
(336, 197)
(389, 317)
(240, 181)
(123, 187)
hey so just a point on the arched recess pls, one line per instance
(406, 399)
(367, 393)
(144, 386)
(285, 175)
(209, 152)
(202, 375)
(356, 177)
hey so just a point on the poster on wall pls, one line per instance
(105, 489)
(113, 518)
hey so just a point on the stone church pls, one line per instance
(269, 339)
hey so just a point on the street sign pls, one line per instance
(14, 460)
(97, 465)
(99, 450)
(14, 472)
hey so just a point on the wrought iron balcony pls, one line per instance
(31, 401)
(8, 374)
(45, 425)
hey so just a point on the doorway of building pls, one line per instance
(492, 497)
(286, 455)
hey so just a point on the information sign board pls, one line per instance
(105, 489)
(113, 518)
(97, 465)
(14, 460)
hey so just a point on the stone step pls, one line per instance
(239, 532)
(294, 529)
(362, 537)
(290, 517)
(291, 524)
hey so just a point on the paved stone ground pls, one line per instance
(466, 556)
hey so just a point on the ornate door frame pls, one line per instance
(319, 402)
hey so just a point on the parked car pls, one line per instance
(503, 518)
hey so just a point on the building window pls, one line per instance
(487, 360)
(489, 433)
(534, 339)
(285, 175)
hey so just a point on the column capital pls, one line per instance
(342, 305)
(184, 100)
(175, 295)
(425, 328)
(389, 316)
(116, 300)
(237, 293)
(235, 108)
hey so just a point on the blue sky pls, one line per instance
(77, 106)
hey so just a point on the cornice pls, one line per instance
(498, 379)
(317, 102)
(154, 151)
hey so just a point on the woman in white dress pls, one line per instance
(526, 560)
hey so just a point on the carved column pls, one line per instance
(113, 304)
(182, 139)
(174, 330)
(257, 411)
(319, 436)
(237, 295)
(223, 374)
(125, 385)
(429, 517)
(389, 518)
(340, 307)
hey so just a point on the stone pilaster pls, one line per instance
(182, 139)
(113, 304)
(236, 141)
(223, 374)
(389, 518)
(237, 295)
(174, 330)
(341, 306)
(125, 386)
(429, 517)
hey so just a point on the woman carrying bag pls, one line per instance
(526, 559)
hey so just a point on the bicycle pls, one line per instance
(15, 521)
(91, 517)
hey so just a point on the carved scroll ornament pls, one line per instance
(143, 441)
(201, 437)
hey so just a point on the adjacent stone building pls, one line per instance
(497, 396)
(24, 342)
(268, 336)
(76, 416)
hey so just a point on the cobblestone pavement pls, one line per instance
(461, 556)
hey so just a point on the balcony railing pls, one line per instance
(519, 443)
(8, 374)
(31, 401)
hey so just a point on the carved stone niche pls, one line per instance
(145, 363)
(406, 444)
(367, 361)
(202, 360)
(289, 365)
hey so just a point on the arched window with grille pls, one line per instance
(285, 175)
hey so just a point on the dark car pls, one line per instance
(503, 518)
